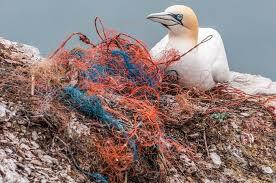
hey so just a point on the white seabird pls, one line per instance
(206, 65)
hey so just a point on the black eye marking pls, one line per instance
(177, 17)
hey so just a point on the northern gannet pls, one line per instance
(206, 65)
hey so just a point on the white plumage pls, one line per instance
(206, 65)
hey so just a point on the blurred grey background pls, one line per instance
(248, 27)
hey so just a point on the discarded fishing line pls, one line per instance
(117, 83)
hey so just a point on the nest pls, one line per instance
(133, 109)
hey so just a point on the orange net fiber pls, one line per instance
(118, 83)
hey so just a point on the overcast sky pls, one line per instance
(248, 27)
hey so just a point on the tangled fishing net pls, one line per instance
(118, 84)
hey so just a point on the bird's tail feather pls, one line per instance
(253, 84)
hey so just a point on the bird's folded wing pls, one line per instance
(213, 53)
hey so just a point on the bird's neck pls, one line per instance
(182, 42)
(189, 35)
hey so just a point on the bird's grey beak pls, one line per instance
(164, 18)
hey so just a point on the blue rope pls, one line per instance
(135, 73)
(98, 178)
(96, 72)
(91, 106)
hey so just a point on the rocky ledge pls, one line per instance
(22, 156)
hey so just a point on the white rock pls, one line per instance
(215, 158)
(8, 150)
(34, 145)
(194, 135)
(228, 172)
(2, 154)
(34, 135)
(8, 124)
(267, 169)
(28, 154)
(38, 152)
(207, 181)
(28, 170)
(191, 166)
(24, 140)
(12, 137)
(21, 122)
(48, 159)
(9, 174)
(77, 128)
(234, 125)
(245, 114)
(2, 111)
(36, 162)
(25, 147)
(43, 181)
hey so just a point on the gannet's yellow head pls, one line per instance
(179, 20)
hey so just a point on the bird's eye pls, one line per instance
(179, 17)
